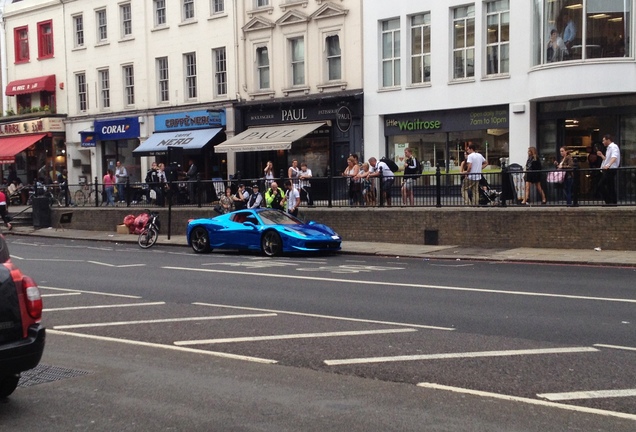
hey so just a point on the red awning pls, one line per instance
(11, 146)
(31, 85)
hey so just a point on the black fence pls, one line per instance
(431, 189)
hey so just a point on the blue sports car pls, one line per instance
(270, 231)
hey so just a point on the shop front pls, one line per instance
(189, 135)
(438, 138)
(116, 140)
(33, 148)
(321, 132)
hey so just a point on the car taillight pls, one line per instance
(33, 297)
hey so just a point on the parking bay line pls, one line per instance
(528, 401)
(407, 285)
(292, 336)
(165, 320)
(103, 306)
(617, 347)
(62, 294)
(337, 318)
(89, 292)
(477, 354)
(591, 394)
(166, 347)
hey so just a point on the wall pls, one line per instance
(511, 227)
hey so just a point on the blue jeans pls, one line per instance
(121, 191)
(567, 188)
(110, 190)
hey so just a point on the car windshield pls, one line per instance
(275, 217)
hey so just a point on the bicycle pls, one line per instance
(150, 232)
(84, 195)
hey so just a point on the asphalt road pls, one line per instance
(164, 339)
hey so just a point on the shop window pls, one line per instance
(464, 42)
(421, 48)
(78, 29)
(21, 36)
(45, 40)
(582, 29)
(391, 67)
(262, 66)
(163, 79)
(498, 37)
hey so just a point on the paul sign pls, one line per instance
(343, 119)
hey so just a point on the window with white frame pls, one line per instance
(125, 14)
(391, 68)
(190, 64)
(129, 84)
(262, 68)
(217, 6)
(334, 58)
(187, 10)
(261, 3)
(220, 72)
(104, 88)
(159, 7)
(78, 30)
(82, 92)
(498, 37)
(421, 48)
(297, 47)
(464, 42)
(163, 79)
(102, 25)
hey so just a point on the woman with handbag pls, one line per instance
(567, 163)
(533, 176)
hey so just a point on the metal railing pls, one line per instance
(431, 189)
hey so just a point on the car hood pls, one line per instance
(313, 230)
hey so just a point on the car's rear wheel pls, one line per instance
(271, 243)
(200, 240)
(8, 384)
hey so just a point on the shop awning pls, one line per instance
(11, 146)
(158, 142)
(264, 138)
(31, 85)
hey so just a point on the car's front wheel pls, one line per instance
(200, 240)
(8, 384)
(271, 243)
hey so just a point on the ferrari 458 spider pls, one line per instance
(270, 231)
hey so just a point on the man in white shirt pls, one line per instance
(475, 162)
(611, 161)
(382, 170)
(292, 198)
(121, 177)
(305, 187)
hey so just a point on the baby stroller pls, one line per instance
(488, 196)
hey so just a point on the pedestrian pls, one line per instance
(475, 163)
(611, 161)
(274, 197)
(368, 188)
(3, 210)
(256, 199)
(269, 174)
(226, 202)
(162, 187)
(381, 169)
(109, 187)
(353, 181)
(292, 198)
(410, 176)
(305, 186)
(240, 198)
(62, 181)
(121, 175)
(567, 163)
(151, 183)
(533, 176)
(191, 176)
(293, 172)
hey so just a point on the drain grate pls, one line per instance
(44, 373)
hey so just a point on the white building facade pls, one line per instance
(440, 75)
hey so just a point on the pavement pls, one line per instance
(530, 255)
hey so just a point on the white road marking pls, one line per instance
(618, 347)
(407, 285)
(592, 394)
(528, 401)
(460, 355)
(62, 294)
(90, 292)
(326, 316)
(52, 260)
(103, 306)
(167, 347)
(117, 266)
(165, 320)
(349, 268)
(292, 336)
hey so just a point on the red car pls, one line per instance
(21, 332)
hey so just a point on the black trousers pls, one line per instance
(305, 195)
(607, 186)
